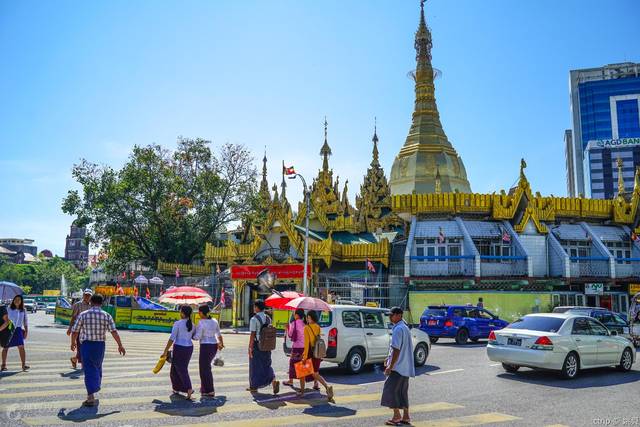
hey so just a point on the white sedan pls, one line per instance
(563, 342)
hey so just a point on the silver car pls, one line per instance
(563, 342)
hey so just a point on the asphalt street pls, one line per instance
(459, 386)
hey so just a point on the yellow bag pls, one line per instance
(160, 364)
(303, 368)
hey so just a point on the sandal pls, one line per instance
(252, 390)
(74, 362)
(276, 387)
(300, 393)
(316, 387)
(330, 394)
(26, 368)
(89, 403)
(288, 383)
(405, 423)
(392, 423)
(4, 368)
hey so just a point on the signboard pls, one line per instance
(51, 292)
(281, 271)
(154, 318)
(62, 315)
(123, 316)
(594, 288)
(613, 143)
(634, 288)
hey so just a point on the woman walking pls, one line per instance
(311, 334)
(295, 331)
(181, 335)
(18, 316)
(208, 333)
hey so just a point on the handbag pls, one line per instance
(169, 356)
(6, 334)
(303, 368)
(159, 365)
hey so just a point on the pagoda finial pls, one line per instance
(264, 184)
(275, 192)
(423, 43)
(636, 181)
(345, 197)
(620, 177)
(375, 161)
(438, 183)
(283, 185)
(523, 166)
(325, 151)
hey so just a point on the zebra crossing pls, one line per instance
(50, 394)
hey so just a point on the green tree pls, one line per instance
(163, 205)
(45, 274)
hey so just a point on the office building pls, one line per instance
(570, 163)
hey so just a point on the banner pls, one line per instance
(281, 271)
(62, 315)
(123, 316)
(157, 318)
(634, 288)
(51, 293)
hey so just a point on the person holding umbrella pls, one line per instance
(311, 334)
(18, 316)
(295, 331)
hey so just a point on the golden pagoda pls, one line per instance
(427, 150)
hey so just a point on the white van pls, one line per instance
(358, 336)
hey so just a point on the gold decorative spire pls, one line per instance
(283, 185)
(275, 193)
(427, 145)
(325, 151)
(264, 184)
(636, 181)
(438, 183)
(375, 161)
(620, 178)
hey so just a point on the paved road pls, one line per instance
(458, 387)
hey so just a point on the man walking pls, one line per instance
(90, 328)
(79, 307)
(399, 367)
(480, 303)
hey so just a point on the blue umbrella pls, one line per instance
(9, 290)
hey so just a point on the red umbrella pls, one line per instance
(277, 301)
(308, 303)
(185, 295)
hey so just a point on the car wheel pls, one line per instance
(510, 368)
(571, 366)
(462, 336)
(355, 361)
(434, 339)
(420, 354)
(626, 360)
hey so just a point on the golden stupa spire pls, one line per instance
(375, 161)
(636, 181)
(264, 184)
(621, 191)
(325, 151)
(427, 145)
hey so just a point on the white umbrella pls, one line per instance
(156, 281)
(141, 280)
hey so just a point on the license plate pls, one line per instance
(514, 341)
(432, 322)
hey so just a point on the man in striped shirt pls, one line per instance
(81, 306)
(91, 328)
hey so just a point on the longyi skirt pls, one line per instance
(17, 338)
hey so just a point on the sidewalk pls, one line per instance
(244, 331)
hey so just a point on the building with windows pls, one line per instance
(570, 161)
(76, 249)
(605, 107)
(25, 246)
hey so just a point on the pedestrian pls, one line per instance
(260, 371)
(210, 337)
(399, 367)
(5, 335)
(311, 334)
(181, 336)
(18, 316)
(79, 307)
(90, 329)
(480, 303)
(295, 331)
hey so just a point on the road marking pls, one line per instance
(556, 425)
(330, 416)
(495, 364)
(203, 410)
(450, 371)
(120, 401)
(469, 420)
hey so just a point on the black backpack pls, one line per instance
(267, 338)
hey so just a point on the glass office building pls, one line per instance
(605, 104)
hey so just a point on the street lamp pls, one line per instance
(307, 197)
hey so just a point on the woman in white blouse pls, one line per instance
(18, 316)
(208, 333)
(181, 336)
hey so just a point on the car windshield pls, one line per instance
(538, 323)
(434, 312)
(28, 301)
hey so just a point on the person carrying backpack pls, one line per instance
(261, 342)
(315, 350)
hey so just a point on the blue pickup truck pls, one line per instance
(459, 322)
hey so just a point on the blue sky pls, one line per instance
(91, 79)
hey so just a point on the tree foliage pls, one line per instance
(163, 205)
(35, 277)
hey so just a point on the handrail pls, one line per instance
(506, 257)
(441, 257)
(627, 259)
(589, 258)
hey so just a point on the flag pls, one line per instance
(290, 170)
(124, 275)
(441, 236)
(506, 237)
(634, 237)
(135, 291)
(177, 272)
(370, 266)
(222, 298)
(148, 294)
(119, 289)
(132, 274)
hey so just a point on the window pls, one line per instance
(538, 323)
(434, 312)
(597, 328)
(484, 314)
(373, 320)
(459, 312)
(351, 319)
(581, 327)
(617, 320)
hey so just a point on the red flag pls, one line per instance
(370, 266)
(506, 237)
(290, 170)
(441, 236)
(634, 237)
(135, 291)
(222, 298)
(124, 275)
(177, 272)
(148, 294)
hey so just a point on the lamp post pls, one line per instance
(307, 196)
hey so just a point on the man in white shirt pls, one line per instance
(399, 367)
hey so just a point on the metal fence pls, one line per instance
(362, 291)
